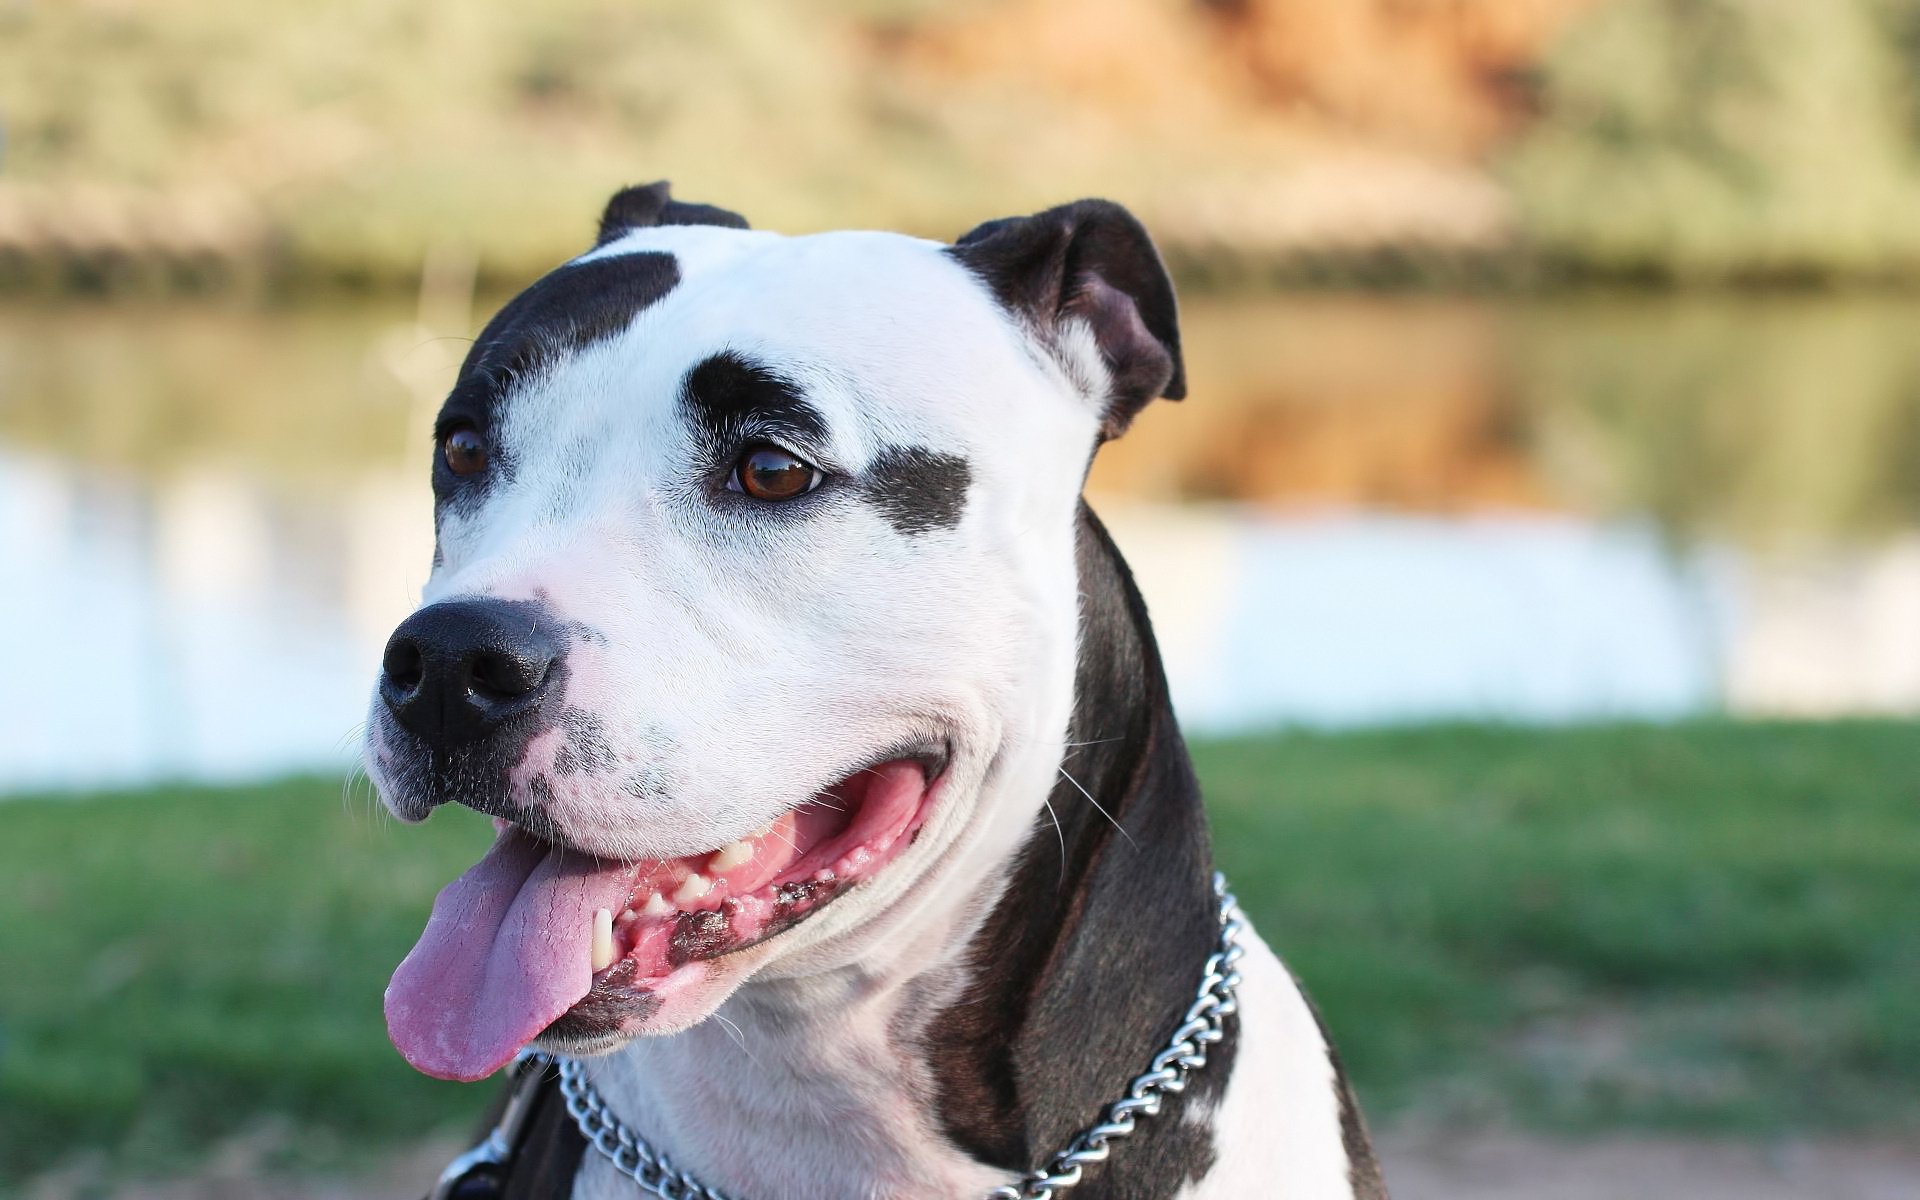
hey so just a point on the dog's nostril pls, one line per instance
(457, 670)
(504, 676)
(402, 664)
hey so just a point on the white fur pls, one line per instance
(1277, 1128)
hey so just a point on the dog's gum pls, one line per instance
(699, 935)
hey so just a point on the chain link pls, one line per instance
(1203, 1027)
(630, 1153)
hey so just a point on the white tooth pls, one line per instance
(656, 906)
(603, 955)
(822, 876)
(692, 888)
(729, 856)
(629, 916)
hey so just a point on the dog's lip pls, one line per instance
(509, 952)
(933, 759)
(753, 905)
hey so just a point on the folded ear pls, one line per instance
(1085, 273)
(649, 204)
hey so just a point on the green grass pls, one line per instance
(180, 963)
(1712, 926)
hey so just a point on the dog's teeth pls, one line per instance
(656, 906)
(823, 876)
(729, 856)
(628, 916)
(603, 955)
(692, 888)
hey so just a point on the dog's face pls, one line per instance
(754, 564)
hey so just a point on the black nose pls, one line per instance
(454, 672)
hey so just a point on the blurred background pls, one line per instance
(1537, 556)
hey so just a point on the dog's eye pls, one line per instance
(465, 451)
(770, 473)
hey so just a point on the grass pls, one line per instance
(1711, 926)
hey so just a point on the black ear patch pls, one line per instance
(1091, 261)
(648, 204)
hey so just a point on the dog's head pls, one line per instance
(753, 587)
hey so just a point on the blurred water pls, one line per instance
(1369, 511)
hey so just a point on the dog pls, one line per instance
(847, 844)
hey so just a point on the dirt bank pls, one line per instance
(1419, 1165)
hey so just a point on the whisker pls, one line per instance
(1073, 748)
(739, 1038)
(1059, 834)
(788, 839)
(1096, 807)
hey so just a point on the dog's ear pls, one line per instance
(649, 204)
(1088, 269)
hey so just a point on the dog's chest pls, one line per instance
(833, 1108)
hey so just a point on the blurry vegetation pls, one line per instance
(1709, 926)
(1729, 140)
(230, 142)
(1383, 142)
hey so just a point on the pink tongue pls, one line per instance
(507, 951)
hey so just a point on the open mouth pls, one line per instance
(539, 938)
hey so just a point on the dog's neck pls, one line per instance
(1021, 1023)
(1092, 953)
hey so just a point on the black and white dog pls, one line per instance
(846, 834)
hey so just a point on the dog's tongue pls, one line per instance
(507, 951)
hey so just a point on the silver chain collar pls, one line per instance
(1186, 1052)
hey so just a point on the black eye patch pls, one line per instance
(918, 490)
(728, 397)
(731, 399)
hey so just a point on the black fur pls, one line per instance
(733, 400)
(563, 312)
(1091, 956)
(918, 490)
(1093, 261)
(650, 204)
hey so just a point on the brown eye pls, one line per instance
(465, 451)
(770, 473)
